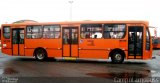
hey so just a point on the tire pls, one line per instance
(40, 54)
(117, 57)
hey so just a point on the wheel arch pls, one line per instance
(117, 50)
(38, 49)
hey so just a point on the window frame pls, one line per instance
(33, 32)
(115, 31)
(52, 31)
(91, 30)
(7, 32)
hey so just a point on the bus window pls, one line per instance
(6, 32)
(156, 42)
(114, 31)
(15, 37)
(51, 31)
(74, 36)
(147, 40)
(66, 36)
(18, 36)
(21, 39)
(91, 31)
(34, 32)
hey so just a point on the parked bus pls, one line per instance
(79, 40)
(156, 42)
(0, 37)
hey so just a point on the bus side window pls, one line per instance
(6, 32)
(51, 31)
(34, 32)
(114, 31)
(92, 31)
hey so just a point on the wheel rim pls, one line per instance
(40, 55)
(118, 57)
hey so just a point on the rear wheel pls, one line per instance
(40, 54)
(117, 57)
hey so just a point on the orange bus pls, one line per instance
(0, 37)
(79, 40)
(156, 42)
(0, 33)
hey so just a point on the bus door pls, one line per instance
(18, 41)
(70, 41)
(135, 42)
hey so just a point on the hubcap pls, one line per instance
(40, 55)
(118, 56)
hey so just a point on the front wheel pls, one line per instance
(117, 57)
(40, 54)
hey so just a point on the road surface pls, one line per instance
(28, 70)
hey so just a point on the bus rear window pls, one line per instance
(6, 32)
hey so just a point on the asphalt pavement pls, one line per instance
(28, 70)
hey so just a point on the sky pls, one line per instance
(96, 10)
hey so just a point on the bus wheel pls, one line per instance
(117, 57)
(40, 54)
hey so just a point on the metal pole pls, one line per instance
(70, 9)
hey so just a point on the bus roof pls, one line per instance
(76, 22)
